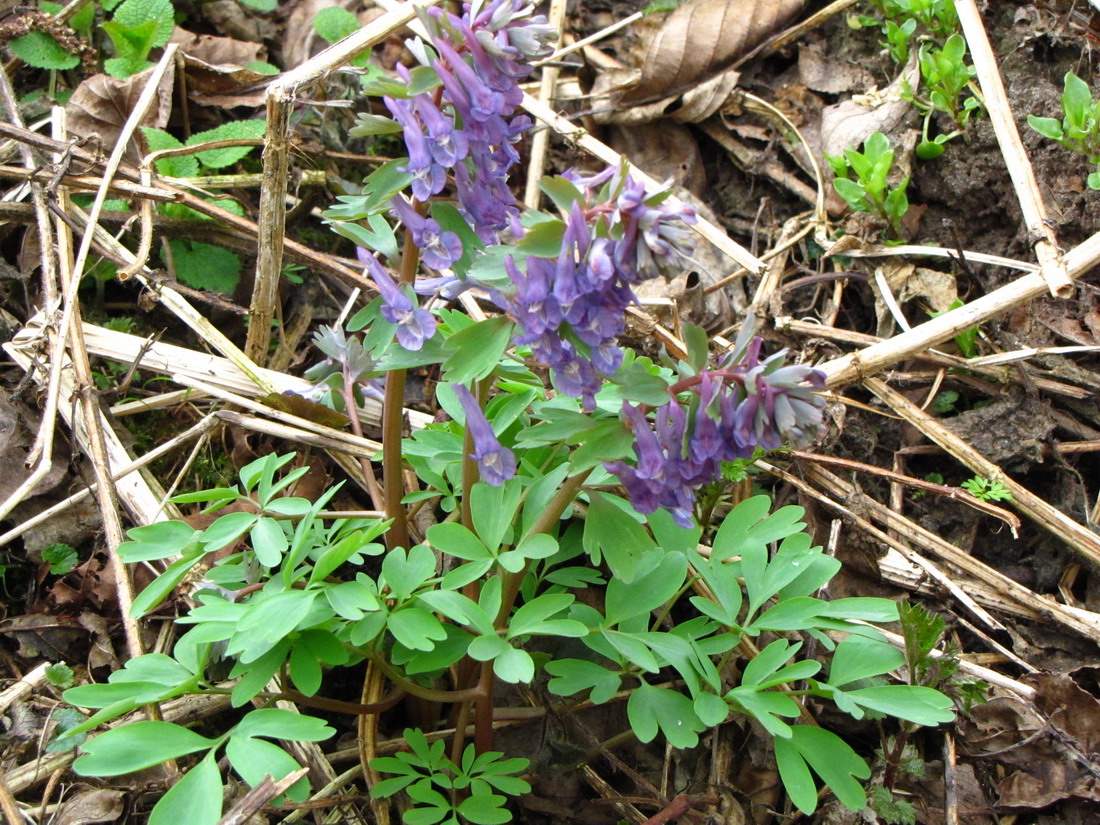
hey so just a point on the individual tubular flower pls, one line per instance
(438, 249)
(414, 325)
(743, 404)
(495, 463)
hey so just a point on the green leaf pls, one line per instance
(650, 708)
(366, 124)
(335, 23)
(157, 541)
(203, 266)
(136, 746)
(415, 628)
(61, 558)
(163, 585)
(572, 676)
(405, 572)
(494, 509)
(451, 220)
(852, 192)
(476, 351)
(134, 13)
(268, 621)
(254, 759)
(233, 130)
(196, 798)
(277, 723)
(485, 809)
(766, 707)
(261, 5)
(659, 575)
(611, 533)
(768, 661)
(456, 540)
(514, 666)
(378, 190)
(351, 600)
(562, 191)
(180, 166)
(543, 239)
(269, 542)
(711, 709)
(830, 757)
(913, 703)
(529, 618)
(40, 50)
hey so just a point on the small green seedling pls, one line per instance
(937, 17)
(1079, 128)
(945, 75)
(987, 490)
(473, 792)
(870, 190)
(967, 340)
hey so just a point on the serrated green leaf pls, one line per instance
(181, 166)
(335, 23)
(232, 130)
(203, 266)
(40, 50)
(134, 13)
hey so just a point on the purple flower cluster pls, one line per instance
(469, 127)
(744, 404)
(570, 309)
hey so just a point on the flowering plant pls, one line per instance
(522, 480)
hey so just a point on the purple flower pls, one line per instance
(496, 463)
(743, 404)
(414, 325)
(438, 249)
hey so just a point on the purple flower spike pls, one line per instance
(496, 463)
(414, 325)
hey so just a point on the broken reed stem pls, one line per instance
(1051, 264)
(93, 420)
(540, 143)
(858, 365)
(1077, 536)
(40, 456)
(281, 97)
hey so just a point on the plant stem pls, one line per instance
(545, 523)
(393, 416)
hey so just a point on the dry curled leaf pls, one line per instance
(101, 106)
(702, 39)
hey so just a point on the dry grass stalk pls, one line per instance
(1051, 265)
(1077, 536)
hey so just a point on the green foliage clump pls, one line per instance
(863, 180)
(1079, 128)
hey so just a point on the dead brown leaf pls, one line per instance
(101, 105)
(44, 637)
(702, 39)
(90, 807)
